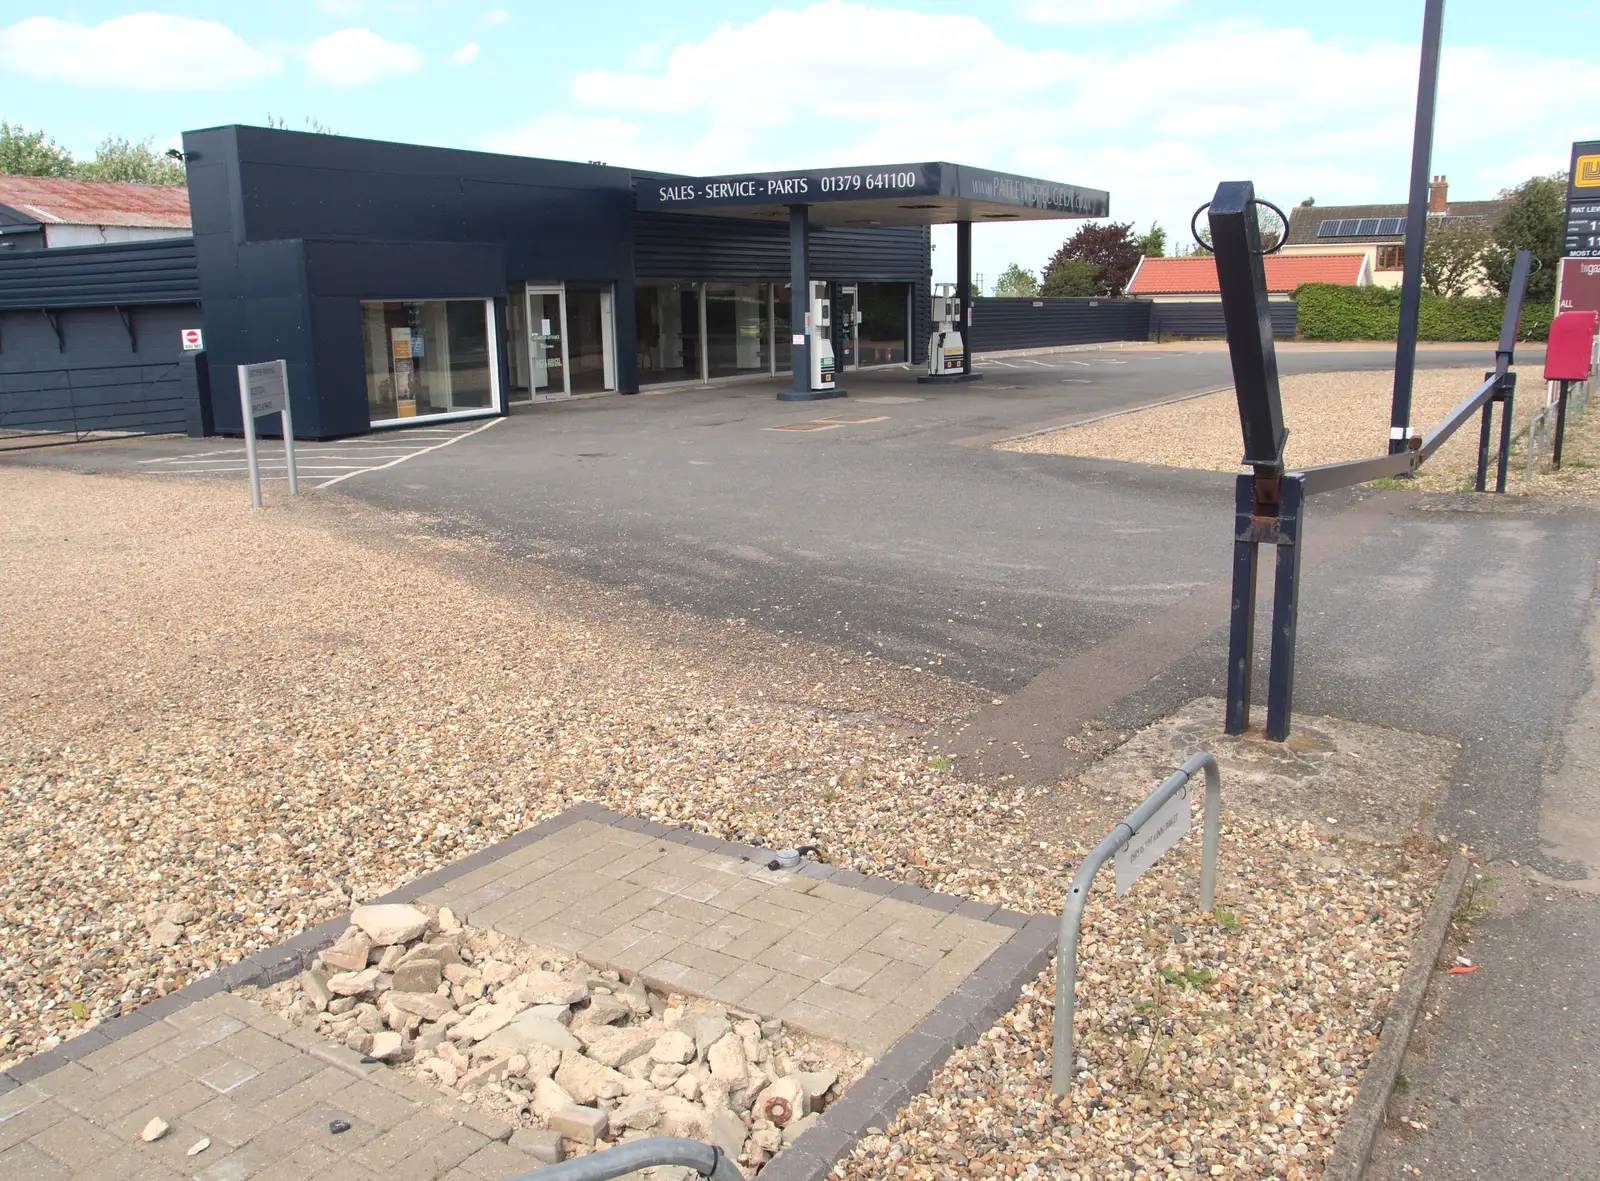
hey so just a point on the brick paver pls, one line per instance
(225, 1069)
(831, 959)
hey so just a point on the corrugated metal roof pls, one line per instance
(55, 200)
(1285, 272)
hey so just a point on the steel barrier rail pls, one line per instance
(1063, 1058)
(706, 1159)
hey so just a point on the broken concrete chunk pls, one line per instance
(726, 1131)
(586, 1080)
(727, 1060)
(795, 1128)
(548, 1095)
(708, 1029)
(603, 1010)
(676, 1046)
(390, 957)
(417, 976)
(354, 983)
(618, 1047)
(484, 1020)
(388, 923)
(581, 1125)
(386, 1046)
(636, 997)
(547, 988)
(527, 1031)
(165, 934)
(637, 1114)
(679, 1117)
(428, 1006)
(350, 953)
(315, 985)
(154, 1130)
(815, 1084)
(543, 1145)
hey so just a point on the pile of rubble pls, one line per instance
(575, 1057)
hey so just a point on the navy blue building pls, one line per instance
(404, 282)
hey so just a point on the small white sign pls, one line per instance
(799, 337)
(192, 340)
(1159, 834)
(267, 387)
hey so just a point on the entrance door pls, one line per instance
(547, 343)
(847, 316)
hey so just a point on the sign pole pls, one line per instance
(288, 430)
(249, 436)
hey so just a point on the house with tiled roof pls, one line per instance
(47, 212)
(1193, 278)
(1378, 232)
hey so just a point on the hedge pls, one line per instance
(1328, 311)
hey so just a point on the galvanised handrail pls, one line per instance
(706, 1159)
(1062, 1067)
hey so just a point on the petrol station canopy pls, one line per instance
(877, 195)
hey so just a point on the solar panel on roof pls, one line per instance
(1369, 225)
(1390, 225)
(1401, 231)
(1329, 227)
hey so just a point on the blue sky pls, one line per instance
(1155, 100)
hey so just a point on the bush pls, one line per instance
(1328, 311)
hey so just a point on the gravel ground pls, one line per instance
(1331, 417)
(267, 716)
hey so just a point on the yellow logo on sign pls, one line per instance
(1587, 174)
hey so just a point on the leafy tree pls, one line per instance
(1534, 220)
(1110, 248)
(1153, 243)
(1072, 277)
(117, 158)
(31, 153)
(1452, 255)
(1308, 203)
(1268, 224)
(1016, 283)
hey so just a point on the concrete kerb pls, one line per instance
(870, 1102)
(1361, 1126)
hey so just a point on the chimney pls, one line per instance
(1439, 195)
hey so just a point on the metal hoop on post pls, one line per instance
(1277, 246)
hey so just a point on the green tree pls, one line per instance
(31, 153)
(1016, 283)
(117, 158)
(1534, 220)
(1072, 277)
(1452, 255)
(1153, 243)
(1112, 249)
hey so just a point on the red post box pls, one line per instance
(1571, 347)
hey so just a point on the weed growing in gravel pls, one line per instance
(1186, 977)
(1226, 919)
(1472, 907)
(939, 763)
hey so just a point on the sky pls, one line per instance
(1153, 100)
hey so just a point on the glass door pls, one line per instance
(547, 343)
(848, 318)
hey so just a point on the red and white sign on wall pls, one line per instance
(1578, 287)
(192, 340)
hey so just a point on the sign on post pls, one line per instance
(192, 339)
(1155, 836)
(264, 389)
(1581, 238)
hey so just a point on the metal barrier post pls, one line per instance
(1508, 392)
(706, 1159)
(1483, 443)
(1063, 1066)
(1561, 429)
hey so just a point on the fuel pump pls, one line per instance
(819, 325)
(946, 352)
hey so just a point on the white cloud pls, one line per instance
(561, 136)
(354, 57)
(142, 51)
(1096, 12)
(496, 16)
(467, 54)
(342, 8)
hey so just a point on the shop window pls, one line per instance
(668, 322)
(429, 357)
(782, 328)
(738, 333)
(1391, 258)
(885, 319)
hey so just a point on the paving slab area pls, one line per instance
(854, 962)
(264, 1093)
(903, 973)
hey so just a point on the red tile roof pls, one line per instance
(1285, 272)
(54, 200)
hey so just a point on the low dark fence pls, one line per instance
(1204, 318)
(1040, 323)
(999, 324)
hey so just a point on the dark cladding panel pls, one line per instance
(1041, 323)
(888, 253)
(405, 270)
(669, 246)
(122, 273)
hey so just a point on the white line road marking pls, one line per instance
(1042, 365)
(1085, 364)
(414, 454)
(1113, 362)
